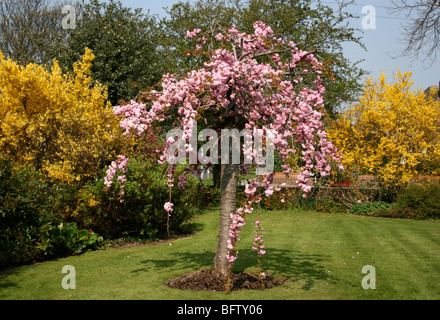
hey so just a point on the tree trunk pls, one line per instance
(216, 175)
(229, 181)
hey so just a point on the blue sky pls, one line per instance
(383, 45)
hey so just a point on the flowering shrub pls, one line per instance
(58, 123)
(392, 132)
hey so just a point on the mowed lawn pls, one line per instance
(322, 256)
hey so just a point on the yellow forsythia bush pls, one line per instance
(393, 131)
(58, 123)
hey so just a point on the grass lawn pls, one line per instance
(321, 254)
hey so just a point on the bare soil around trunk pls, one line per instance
(206, 280)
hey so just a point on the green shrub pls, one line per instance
(329, 205)
(421, 198)
(23, 209)
(396, 212)
(293, 198)
(139, 213)
(66, 239)
(364, 208)
(411, 204)
(210, 196)
(41, 219)
(28, 219)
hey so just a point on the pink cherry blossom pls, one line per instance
(121, 165)
(192, 34)
(168, 206)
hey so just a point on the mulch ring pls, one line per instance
(206, 280)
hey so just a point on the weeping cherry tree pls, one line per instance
(260, 85)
